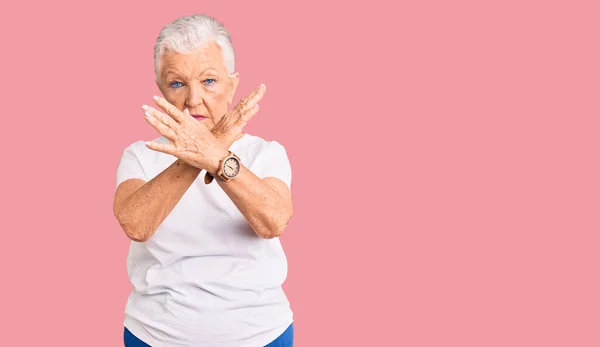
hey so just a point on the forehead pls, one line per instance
(207, 57)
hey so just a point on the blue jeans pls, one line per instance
(284, 340)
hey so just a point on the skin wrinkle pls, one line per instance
(142, 206)
(210, 101)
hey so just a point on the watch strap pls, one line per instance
(208, 178)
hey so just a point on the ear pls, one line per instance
(235, 81)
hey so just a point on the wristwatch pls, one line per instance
(229, 168)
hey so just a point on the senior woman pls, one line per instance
(204, 204)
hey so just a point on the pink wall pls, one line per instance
(445, 161)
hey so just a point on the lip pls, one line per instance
(198, 117)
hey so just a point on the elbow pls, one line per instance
(276, 232)
(276, 228)
(137, 235)
(134, 233)
(133, 230)
(270, 233)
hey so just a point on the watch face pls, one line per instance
(231, 167)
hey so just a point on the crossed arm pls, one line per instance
(140, 206)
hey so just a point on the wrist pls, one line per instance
(219, 134)
(185, 167)
(215, 163)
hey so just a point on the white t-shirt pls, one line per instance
(204, 278)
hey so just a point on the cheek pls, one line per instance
(175, 97)
(217, 104)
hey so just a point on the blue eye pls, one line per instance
(209, 81)
(176, 84)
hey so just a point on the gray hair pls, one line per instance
(186, 34)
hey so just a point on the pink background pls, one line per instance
(445, 160)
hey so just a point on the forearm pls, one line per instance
(142, 211)
(266, 210)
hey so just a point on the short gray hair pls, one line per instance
(186, 34)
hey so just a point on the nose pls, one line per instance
(194, 97)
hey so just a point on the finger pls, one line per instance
(161, 127)
(256, 96)
(253, 98)
(246, 116)
(171, 110)
(162, 147)
(256, 91)
(187, 115)
(161, 117)
(245, 104)
(239, 125)
(238, 119)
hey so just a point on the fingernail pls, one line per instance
(262, 85)
(144, 107)
(147, 114)
(187, 111)
(155, 97)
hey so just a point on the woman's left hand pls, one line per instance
(190, 140)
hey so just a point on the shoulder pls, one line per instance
(261, 148)
(139, 161)
(139, 148)
(259, 144)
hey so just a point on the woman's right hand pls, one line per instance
(230, 126)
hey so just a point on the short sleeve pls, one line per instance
(129, 166)
(277, 164)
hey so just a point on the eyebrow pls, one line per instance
(209, 70)
(172, 71)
